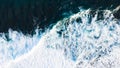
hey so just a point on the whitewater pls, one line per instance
(87, 39)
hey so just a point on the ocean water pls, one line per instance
(82, 40)
(74, 34)
(32, 13)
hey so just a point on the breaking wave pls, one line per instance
(86, 38)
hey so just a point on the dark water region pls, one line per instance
(25, 15)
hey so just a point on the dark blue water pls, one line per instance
(26, 15)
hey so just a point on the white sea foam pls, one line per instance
(14, 44)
